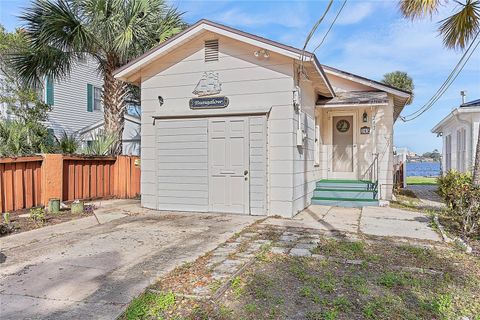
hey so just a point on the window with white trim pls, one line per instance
(97, 99)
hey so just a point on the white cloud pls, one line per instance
(355, 13)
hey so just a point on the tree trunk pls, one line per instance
(114, 105)
(476, 168)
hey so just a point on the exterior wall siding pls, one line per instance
(69, 110)
(258, 165)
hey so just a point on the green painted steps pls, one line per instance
(345, 193)
(343, 184)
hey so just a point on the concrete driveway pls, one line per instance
(373, 221)
(94, 273)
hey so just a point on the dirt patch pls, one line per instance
(21, 220)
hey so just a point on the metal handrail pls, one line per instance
(372, 174)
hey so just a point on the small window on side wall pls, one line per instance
(97, 99)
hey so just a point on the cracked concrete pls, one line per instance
(94, 272)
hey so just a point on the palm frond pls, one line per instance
(415, 9)
(458, 29)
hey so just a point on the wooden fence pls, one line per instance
(28, 182)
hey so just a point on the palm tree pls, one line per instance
(112, 32)
(457, 30)
(400, 80)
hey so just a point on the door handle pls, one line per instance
(245, 172)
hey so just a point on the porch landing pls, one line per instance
(345, 193)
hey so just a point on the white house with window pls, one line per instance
(77, 106)
(459, 132)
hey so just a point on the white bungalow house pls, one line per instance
(232, 122)
(459, 132)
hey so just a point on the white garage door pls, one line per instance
(228, 160)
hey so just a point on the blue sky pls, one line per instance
(370, 38)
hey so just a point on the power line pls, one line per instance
(312, 32)
(447, 83)
(331, 25)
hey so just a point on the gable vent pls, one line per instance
(211, 50)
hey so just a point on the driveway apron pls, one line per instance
(94, 273)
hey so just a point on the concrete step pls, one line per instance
(344, 193)
(351, 203)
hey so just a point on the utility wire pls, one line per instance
(331, 25)
(447, 83)
(312, 32)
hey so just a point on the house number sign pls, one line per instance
(365, 130)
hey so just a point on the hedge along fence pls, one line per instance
(27, 182)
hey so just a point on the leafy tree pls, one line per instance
(26, 134)
(457, 30)
(400, 80)
(112, 32)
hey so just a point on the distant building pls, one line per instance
(459, 132)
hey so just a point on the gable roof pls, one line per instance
(126, 71)
(465, 108)
(400, 97)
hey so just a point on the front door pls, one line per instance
(228, 157)
(343, 147)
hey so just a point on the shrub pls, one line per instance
(68, 143)
(451, 183)
(38, 215)
(463, 201)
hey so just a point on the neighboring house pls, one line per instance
(76, 100)
(459, 132)
(232, 122)
(131, 134)
(76, 103)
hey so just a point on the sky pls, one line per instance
(370, 38)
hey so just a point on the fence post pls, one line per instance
(52, 177)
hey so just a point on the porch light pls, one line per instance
(365, 116)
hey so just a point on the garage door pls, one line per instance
(228, 161)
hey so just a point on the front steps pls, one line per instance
(345, 193)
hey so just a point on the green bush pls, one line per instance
(451, 183)
(463, 201)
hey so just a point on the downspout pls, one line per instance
(470, 125)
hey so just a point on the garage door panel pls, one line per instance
(182, 164)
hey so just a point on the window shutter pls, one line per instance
(89, 97)
(49, 91)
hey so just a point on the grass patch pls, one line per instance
(286, 287)
(421, 180)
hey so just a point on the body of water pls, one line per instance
(424, 169)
